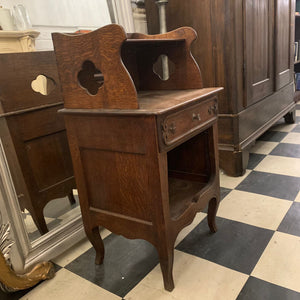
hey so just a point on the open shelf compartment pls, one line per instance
(188, 177)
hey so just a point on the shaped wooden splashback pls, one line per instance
(106, 68)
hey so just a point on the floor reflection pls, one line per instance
(57, 212)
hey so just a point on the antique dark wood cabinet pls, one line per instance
(297, 39)
(33, 135)
(246, 47)
(144, 149)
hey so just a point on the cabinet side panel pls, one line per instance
(117, 182)
(227, 35)
(112, 158)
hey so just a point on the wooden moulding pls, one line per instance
(126, 65)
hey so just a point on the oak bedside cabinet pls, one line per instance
(142, 133)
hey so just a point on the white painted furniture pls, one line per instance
(17, 41)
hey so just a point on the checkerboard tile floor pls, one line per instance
(254, 255)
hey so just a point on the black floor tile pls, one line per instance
(274, 185)
(13, 296)
(256, 289)
(224, 192)
(272, 136)
(288, 150)
(126, 263)
(291, 222)
(56, 267)
(236, 245)
(254, 160)
(296, 129)
(19, 294)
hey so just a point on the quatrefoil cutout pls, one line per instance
(90, 78)
(43, 85)
(163, 67)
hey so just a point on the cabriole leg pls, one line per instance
(211, 215)
(97, 242)
(166, 259)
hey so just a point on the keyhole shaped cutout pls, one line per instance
(43, 85)
(90, 78)
(163, 67)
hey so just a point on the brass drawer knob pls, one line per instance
(213, 109)
(172, 128)
(196, 117)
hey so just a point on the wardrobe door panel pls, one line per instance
(284, 37)
(259, 49)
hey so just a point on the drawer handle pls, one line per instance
(213, 109)
(172, 128)
(196, 117)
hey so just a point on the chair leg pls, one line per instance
(211, 215)
(97, 242)
(166, 259)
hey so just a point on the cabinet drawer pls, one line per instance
(183, 123)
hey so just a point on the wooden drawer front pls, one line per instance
(183, 123)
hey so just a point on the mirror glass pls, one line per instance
(33, 135)
(37, 147)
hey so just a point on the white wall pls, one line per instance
(63, 16)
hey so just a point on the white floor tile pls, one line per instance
(74, 212)
(280, 165)
(254, 209)
(298, 198)
(194, 278)
(185, 231)
(292, 138)
(30, 225)
(77, 250)
(280, 262)
(262, 147)
(232, 182)
(57, 207)
(283, 127)
(72, 253)
(68, 286)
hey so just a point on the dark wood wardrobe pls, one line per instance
(247, 48)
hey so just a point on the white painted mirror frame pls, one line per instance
(23, 254)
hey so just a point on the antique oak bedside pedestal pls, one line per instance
(144, 149)
(33, 134)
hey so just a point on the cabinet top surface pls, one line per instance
(157, 102)
(162, 100)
